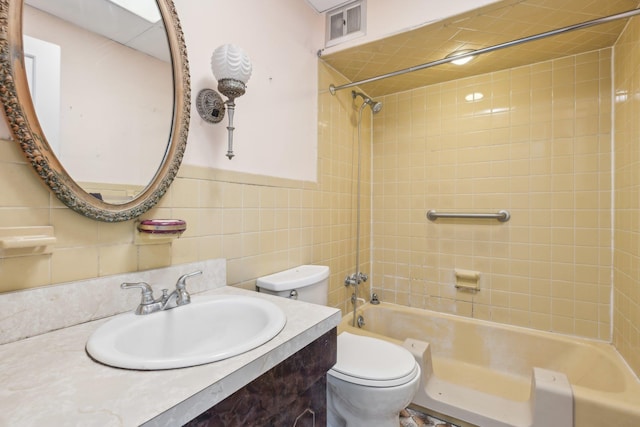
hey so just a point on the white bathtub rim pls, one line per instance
(617, 404)
(550, 401)
(489, 323)
(558, 336)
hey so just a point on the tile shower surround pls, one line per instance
(626, 275)
(539, 145)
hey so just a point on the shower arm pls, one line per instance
(606, 19)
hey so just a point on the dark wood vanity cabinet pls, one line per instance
(292, 393)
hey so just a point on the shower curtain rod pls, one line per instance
(333, 89)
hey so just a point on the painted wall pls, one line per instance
(626, 275)
(276, 119)
(539, 145)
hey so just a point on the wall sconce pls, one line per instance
(232, 68)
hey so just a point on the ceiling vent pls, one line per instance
(346, 23)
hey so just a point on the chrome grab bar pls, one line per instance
(501, 215)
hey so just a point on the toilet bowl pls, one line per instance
(372, 380)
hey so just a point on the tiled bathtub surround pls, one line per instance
(537, 144)
(37, 311)
(626, 275)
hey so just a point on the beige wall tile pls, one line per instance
(154, 256)
(25, 272)
(69, 264)
(116, 259)
(541, 158)
(185, 193)
(184, 250)
(626, 303)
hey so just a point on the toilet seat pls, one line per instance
(373, 362)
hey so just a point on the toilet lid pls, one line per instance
(374, 362)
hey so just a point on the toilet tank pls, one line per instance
(308, 283)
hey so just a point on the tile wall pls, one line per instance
(537, 144)
(259, 224)
(626, 273)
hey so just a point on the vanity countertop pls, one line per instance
(50, 380)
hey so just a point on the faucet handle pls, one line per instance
(182, 280)
(147, 292)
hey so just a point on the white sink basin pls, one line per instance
(211, 328)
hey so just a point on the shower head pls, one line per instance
(376, 106)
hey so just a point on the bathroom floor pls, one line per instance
(412, 418)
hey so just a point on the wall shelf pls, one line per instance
(25, 241)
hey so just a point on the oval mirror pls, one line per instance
(98, 98)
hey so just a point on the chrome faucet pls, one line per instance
(167, 301)
(355, 279)
(182, 297)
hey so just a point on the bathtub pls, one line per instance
(487, 374)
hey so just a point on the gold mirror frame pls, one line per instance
(26, 130)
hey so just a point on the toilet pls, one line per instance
(373, 379)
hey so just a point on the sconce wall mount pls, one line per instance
(210, 106)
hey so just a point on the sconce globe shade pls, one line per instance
(231, 62)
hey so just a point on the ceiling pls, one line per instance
(111, 21)
(494, 24)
